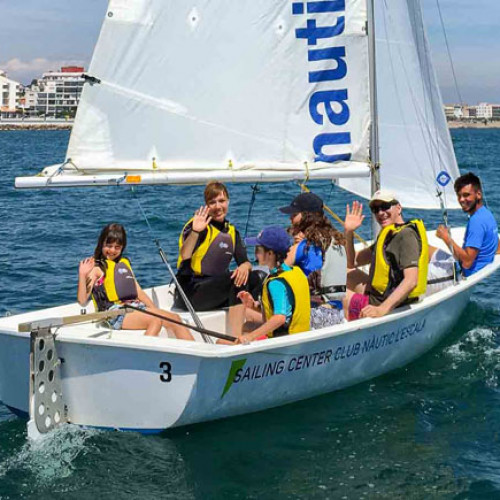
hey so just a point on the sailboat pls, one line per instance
(248, 91)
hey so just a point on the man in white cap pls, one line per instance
(395, 258)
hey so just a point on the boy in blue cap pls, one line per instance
(285, 307)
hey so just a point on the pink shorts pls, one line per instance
(357, 303)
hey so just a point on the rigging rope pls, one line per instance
(457, 89)
(449, 53)
(163, 256)
(330, 193)
(255, 190)
(424, 127)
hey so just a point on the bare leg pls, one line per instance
(180, 332)
(140, 321)
(357, 280)
(250, 326)
(346, 302)
(235, 319)
(224, 342)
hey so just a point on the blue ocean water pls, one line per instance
(430, 430)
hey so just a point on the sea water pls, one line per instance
(430, 430)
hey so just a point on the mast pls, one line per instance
(374, 138)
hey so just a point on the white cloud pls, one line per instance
(25, 71)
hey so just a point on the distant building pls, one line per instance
(455, 111)
(10, 92)
(448, 111)
(484, 111)
(57, 93)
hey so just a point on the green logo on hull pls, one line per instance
(235, 366)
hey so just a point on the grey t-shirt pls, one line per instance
(403, 252)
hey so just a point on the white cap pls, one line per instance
(383, 195)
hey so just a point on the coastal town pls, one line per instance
(51, 101)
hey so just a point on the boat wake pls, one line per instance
(477, 356)
(49, 459)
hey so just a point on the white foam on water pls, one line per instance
(480, 346)
(482, 338)
(476, 335)
(51, 457)
(456, 352)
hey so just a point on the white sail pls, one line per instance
(415, 143)
(253, 84)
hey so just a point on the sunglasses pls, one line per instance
(382, 207)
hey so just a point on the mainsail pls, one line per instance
(415, 143)
(274, 87)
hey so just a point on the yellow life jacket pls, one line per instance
(296, 281)
(117, 286)
(213, 255)
(381, 273)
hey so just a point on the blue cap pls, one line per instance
(273, 237)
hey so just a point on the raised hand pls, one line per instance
(86, 266)
(201, 219)
(353, 218)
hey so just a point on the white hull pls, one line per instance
(116, 382)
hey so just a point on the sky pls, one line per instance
(42, 35)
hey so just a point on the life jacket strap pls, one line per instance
(435, 281)
(333, 289)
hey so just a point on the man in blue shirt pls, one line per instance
(481, 235)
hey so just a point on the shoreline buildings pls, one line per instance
(10, 94)
(55, 95)
(482, 112)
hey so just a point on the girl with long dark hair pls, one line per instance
(108, 278)
(319, 250)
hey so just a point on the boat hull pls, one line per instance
(149, 390)
(270, 378)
